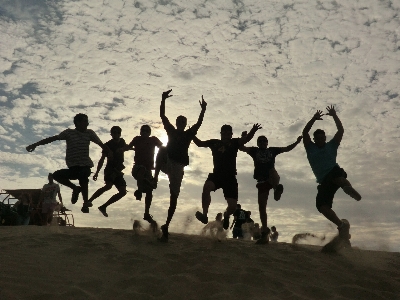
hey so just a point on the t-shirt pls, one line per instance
(241, 217)
(77, 153)
(50, 191)
(322, 160)
(264, 160)
(224, 156)
(118, 157)
(178, 143)
(144, 150)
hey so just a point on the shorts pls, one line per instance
(228, 184)
(263, 187)
(80, 173)
(48, 207)
(237, 232)
(175, 172)
(115, 177)
(327, 189)
(137, 168)
(143, 184)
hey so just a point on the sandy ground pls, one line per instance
(91, 263)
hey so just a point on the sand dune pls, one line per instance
(87, 263)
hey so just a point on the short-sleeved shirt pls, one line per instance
(264, 160)
(144, 150)
(224, 156)
(178, 143)
(322, 160)
(117, 162)
(241, 217)
(77, 153)
(50, 191)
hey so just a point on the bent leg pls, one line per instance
(208, 187)
(101, 190)
(121, 193)
(330, 215)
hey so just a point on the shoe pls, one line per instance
(164, 237)
(225, 223)
(264, 237)
(278, 192)
(349, 190)
(344, 230)
(148, 218)
(201, 217)
(75, 194)
(85, 209)
(138, 195)
(87, 204)
(103, 211)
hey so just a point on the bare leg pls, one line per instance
(347, 187)
(101, 190)
(172, 206)
(330, 215)
(121, 193)
(208, 187)
(262, 207)
(274, 178)
(148, 199)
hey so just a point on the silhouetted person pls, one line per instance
(330, 176)
(49, 202)
(224, 152)
(239, 218)
(274, 234)
(77, 157)
(113, 175)
(177, 156)
(143, 165)
(266, 176)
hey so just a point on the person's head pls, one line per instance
(273, 228)
(116, 132)
(256, 225)
(81, 122)
(50, 177)
(218, 217)
(238, 206)
(262, 142)
(226, 132)
(145, 130)
(319, 137)
(181, 122)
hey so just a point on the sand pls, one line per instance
(95, 263)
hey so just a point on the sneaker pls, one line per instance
(103, 211)
(201, 217)
(278, 192)
(85, 209)
(164, 237)
(349, 190)
(87, 204)
(264, 237)
(75, 194)
(344, 230)
(138, 195)
(225, 221)
(148, 218)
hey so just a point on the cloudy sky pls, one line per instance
(270, 62)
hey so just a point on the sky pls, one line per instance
(255, 61)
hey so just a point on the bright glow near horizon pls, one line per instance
(273, 63)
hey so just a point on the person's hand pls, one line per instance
(256, 127)
(166, 94)
(95, 176)
(203, 103)
(31, 148)
(299, 139)
(318, 115)
(331, 110)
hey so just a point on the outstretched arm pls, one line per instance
(306, 136)
(164, 119)
(247, 137)
(199, 143)
(203, 105)
(292, 146)
(340, 130)
(45, 141)
(99, 166)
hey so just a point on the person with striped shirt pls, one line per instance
(77, 157)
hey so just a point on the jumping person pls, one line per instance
(224, 152)
(266, 176)
(330, 176)
(144, 163)
(177, 156)
(77, 157)
(112, 172)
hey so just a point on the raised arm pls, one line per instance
(164, 119)
(203, 105)
(45, 141)
(247, 137)
(340, 130)
(306, 136)
(199, 143)
(99, 166)
(292, 146)
(243, 147)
